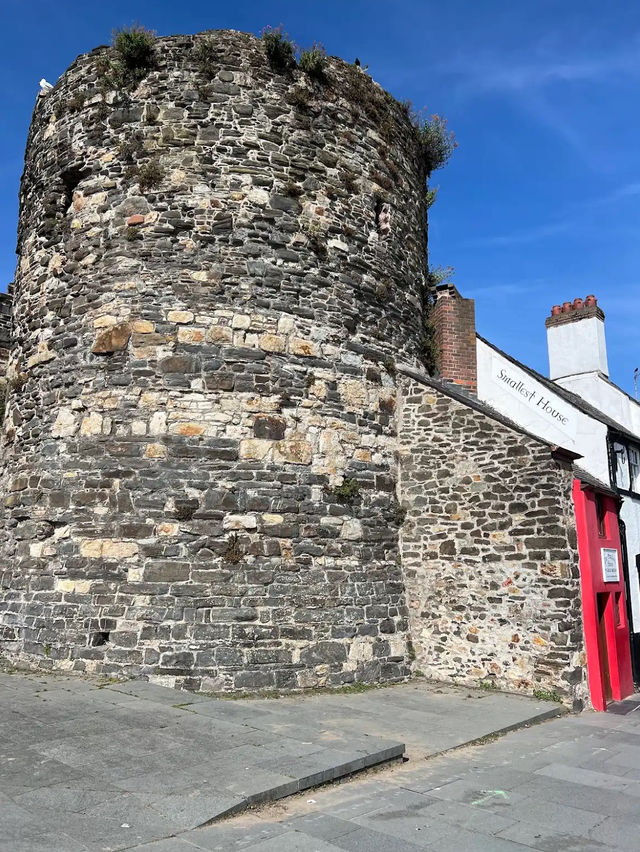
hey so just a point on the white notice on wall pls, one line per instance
(610, 566)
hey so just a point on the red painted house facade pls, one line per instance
(604, 604)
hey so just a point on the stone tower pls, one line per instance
(217, 273)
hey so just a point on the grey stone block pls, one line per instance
(551, 840)
(320, 825)
(240, 833)
(367, 840)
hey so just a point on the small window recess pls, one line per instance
(600, 515)
(383, 216)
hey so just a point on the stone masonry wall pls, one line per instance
(5, 329)
(199, 476)
(488, 550)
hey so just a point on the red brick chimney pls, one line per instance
(454, 323)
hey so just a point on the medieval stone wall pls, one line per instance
(199, 470)
(488, 550)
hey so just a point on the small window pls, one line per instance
(634, 469)
(621, 466)
(600, 515)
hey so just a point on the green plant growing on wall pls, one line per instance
(131, 148)
(313, 61)
(206, 57)
(133, 56)
(437, 143)
(547, 695)
(280, 49)
(133, 234)
(399, 515)
(363, 93)
(429, 353)
(76, 102)
(135, 50)
(150, 175)
(350, 182)
(348, 492)
(234, 552)
(292, 189)
(438, 275)
(432, 194)
(316, 237)
(300, 98)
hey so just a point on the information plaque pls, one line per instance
(610, 565)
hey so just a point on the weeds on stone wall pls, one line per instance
(149, 175)
(206, 57)
(437, 143)
(76, 102)
(399, 515)
(363, 93)
(547, 695)
(132, 57)
(383, 290)
(313, 61)
(346, 493)
(300, 97)
(316, 238)
(280, 49)
(234, 552)
(292, 189)
(133, 234)
(411, 651)
(131, 148)
(135, 50)
(429, 353)
(350, 182)
(390, 366)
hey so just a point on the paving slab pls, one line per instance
(110, 766)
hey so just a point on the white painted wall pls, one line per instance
(606, 397)
(630, 514)
(577, 347)
(519, 396)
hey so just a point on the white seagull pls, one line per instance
(44, 86)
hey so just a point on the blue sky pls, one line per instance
(540, 202)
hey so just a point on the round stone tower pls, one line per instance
(218, 270)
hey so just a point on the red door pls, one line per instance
(604, 610)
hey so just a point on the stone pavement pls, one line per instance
(115, 766)
(569, 785)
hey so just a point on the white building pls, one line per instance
(579, 408)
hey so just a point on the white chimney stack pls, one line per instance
(575, 339)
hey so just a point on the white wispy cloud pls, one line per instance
(574, 217)
(537, 81)
(488, 72)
